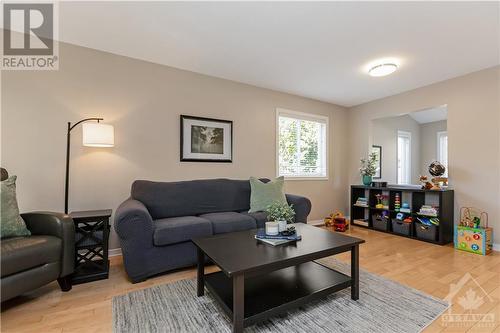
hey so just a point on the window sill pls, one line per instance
(305, 178)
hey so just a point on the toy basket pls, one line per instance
(473, 234)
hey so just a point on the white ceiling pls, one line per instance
(430, 115)
(318, 50)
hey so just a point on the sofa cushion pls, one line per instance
(229, 222)
(22, 253)
(259, 217)
(194, 197)
(174, 230)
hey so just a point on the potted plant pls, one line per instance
(368, 168)
(281, 213)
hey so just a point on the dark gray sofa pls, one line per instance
(156, 224)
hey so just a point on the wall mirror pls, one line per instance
(407, 144)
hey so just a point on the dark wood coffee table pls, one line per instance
(258, 281)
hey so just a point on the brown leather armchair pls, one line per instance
(48, 254)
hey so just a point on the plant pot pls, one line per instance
(281, 225)
(367, 180)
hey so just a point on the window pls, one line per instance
(404, 157)
(301, 145)
(442, 150)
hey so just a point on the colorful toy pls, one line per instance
(397, 202)
(337, 221)
(408, 220)
(381, 201)
(426, 185)
(470, 236)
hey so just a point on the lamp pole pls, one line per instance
(68, 142)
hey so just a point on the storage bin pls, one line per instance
(380, 223)
(426, 232)
(400, 227)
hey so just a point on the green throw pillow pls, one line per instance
(264, 194)
(11, 222)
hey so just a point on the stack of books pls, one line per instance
(276, 239)
(428, 210)
(361, 202)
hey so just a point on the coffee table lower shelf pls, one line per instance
(270, 294)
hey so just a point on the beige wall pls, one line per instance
(428, 146)
(385, 134)
(473, 133)
(143, 101)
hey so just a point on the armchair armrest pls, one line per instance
(58, 225)
(301, 205)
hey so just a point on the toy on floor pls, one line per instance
(470, 236)
(337, 221)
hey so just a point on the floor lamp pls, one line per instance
(95, 134)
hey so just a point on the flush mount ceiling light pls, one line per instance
(383, 69)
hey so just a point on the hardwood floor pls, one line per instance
(426, 267)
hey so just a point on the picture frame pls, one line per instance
(206, 139)
(378, 150)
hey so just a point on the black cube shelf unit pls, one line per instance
(416, 198)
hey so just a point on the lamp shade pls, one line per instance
(98, 135)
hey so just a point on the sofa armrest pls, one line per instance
(301, 205)
(133, 222)
(58, 225)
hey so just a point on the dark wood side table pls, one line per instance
(91, 245)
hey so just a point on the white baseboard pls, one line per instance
(316, 222)
(118, 251)
(115, 252)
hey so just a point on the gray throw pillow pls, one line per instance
(11, 223)
(264, 194)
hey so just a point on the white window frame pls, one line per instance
(439, 153)
(304, 116)
(408, 135)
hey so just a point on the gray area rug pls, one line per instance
(383, 306)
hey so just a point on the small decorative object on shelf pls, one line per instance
(397, 202)
(382, 201)
(437, 170)
(426, 185)
(405, 208)
(473, 234)
(281, 213)
(428, 210)
(91, 245)
(368, 168)
(361, 202)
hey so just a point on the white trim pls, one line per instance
(316, 222)
(496, 247)
(439, 153)
(406, 134)
(308, 117)
(115, 252)
(305, 178)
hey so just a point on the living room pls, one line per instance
(193, 110)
